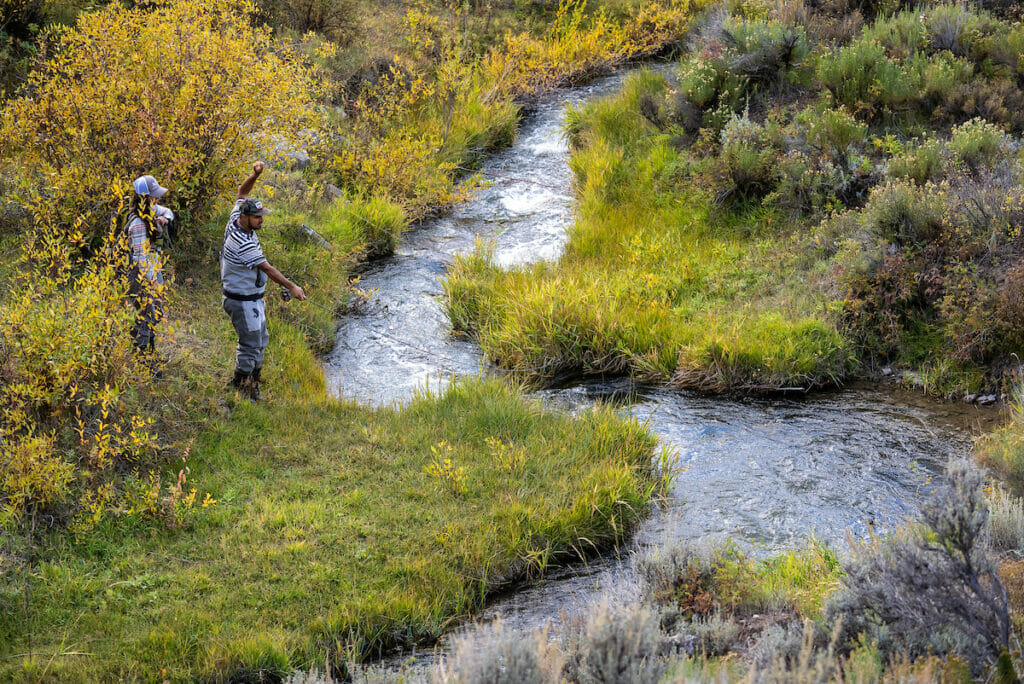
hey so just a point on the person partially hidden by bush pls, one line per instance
(243, 272)
(146, 225)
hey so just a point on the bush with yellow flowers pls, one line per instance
(188, 91)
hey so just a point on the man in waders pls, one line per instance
(243, 275)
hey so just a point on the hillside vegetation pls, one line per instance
(811, 192)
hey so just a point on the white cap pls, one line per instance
(147, 185)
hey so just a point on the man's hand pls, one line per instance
(296, 292)
(246, 187)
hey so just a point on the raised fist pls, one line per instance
(257, 168)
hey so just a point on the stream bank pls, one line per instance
(765, 472)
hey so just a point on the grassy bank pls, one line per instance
(655, 280)
(923, 604)
(337, 530)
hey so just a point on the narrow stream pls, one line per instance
(766, 473)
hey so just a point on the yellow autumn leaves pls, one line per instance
(185, 90)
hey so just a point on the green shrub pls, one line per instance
(832, 130)
(976, 143)
(920, 163)
(880, 273)
(849, 72)
(813, 185)
(875, 84)
(1003, 49)
(766, 53)
(901, 35)
(903, 214)
(708, 87)
(941, 76)
(748, 160)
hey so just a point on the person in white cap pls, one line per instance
(244, 271)
(147, 222)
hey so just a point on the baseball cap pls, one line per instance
(147, 185)
(253, 207)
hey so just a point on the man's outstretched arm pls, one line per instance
(246, 187)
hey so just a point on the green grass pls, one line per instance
(329, 539)
(655, 280)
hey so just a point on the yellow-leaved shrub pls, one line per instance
(414, 130)
(187, 90)
(579, 44)
(70, 408)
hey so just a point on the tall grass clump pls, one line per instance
(1005, 522)
(703, 581)
(1002, 450)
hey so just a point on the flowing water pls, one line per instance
(764, 472)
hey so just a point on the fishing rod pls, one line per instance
(287, 296)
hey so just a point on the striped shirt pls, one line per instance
(240, 257)
(144, 258)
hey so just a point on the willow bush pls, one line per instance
(118, 98)
(68, 383)
(420, 121)
(188, 91)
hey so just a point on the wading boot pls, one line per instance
(148, 356)
(254, 388)
(236, 382)
(156, 362)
